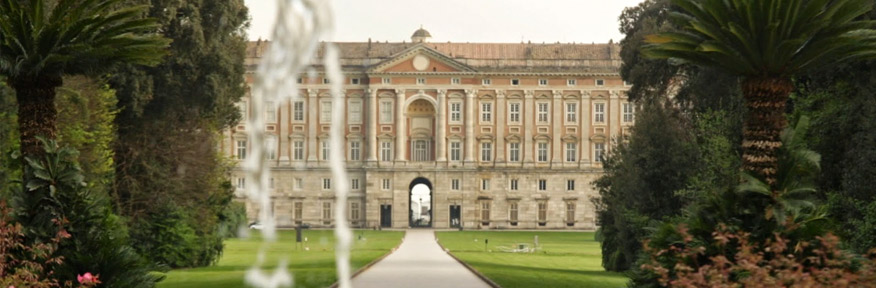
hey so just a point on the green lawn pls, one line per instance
(312, 268)
(564, 259)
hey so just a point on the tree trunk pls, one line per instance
(36, 112)
(765, 100)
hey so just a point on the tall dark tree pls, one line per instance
(766, 42)
(42, 40)
(167, 166)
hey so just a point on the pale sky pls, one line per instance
(485, 21)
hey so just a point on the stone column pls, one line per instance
(469, 124)
(500, 126)
(440, 146)
(283, 130)
(559, 112)
(372, 124)
(586, 133)
(528, 125)
(401, 131)
(312, 124)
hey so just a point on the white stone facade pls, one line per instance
(530, 120)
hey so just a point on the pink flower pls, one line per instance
(87, 278)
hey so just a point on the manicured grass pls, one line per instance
(312, 268)
(563, 259)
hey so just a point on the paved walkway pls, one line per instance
(419, 262)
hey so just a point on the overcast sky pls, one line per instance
(501, 21)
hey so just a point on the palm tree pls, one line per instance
(43, 40)
(766, 42)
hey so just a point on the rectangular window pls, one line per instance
(327, 213)
(326, 150)
(514, 112)
(298, 212)
(486, 82)
(355, 213)
(385, 112)
(326, 183)
(355, 148)
(386, 184)
(241, 149)
(355, 112)
(297, 184)
(271, 183)
(543, 112)
(628, 84)
(513, 185)
(542, 212)
(600, 82)
(271, 147)
(514, 152)
(598, 152)
(571, 112)
(454, 184)
(299, 81)
(455, 151)
(570, 185)
(325, 115)
(270, 112)
(354, 81)
(354, 184)
(513, 213)
(455, 81)
(542, 82)
(486, 112)
(571, 82)
(456, 112)
(542, 185)
(515, 82)
(386, 80)
(628, 112)
(542, 152)
(599, 112)
(241, 183)
(420, 151)
(485, 184)
(570, 212)
(325, 81)
(421, 81)
(571, 152)
(485, 211)
(298, 111)
(486, 151)
(385, 151)
(242, 107)
(298, 150)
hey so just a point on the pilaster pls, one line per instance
(440, 144)
(401, 131)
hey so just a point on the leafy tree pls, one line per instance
(42, 40)
(766, 42)
(168, 126)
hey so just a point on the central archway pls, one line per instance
(420, 203)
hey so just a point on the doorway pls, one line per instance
(455, 212)
(420, 203)
(385, 215)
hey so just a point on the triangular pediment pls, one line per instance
(420, 59)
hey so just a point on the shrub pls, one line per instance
(747, 263)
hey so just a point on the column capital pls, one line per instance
(471, 92)
(500, 93)
(615, 94)
(399, 91)
(528, 93)
(441, 92)
(557, 94)
(312, 92)
(585, 93)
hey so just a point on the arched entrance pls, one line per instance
(422, 115)
(420, 203)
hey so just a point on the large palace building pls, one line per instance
(503, 135)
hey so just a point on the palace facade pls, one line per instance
(503, 135)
